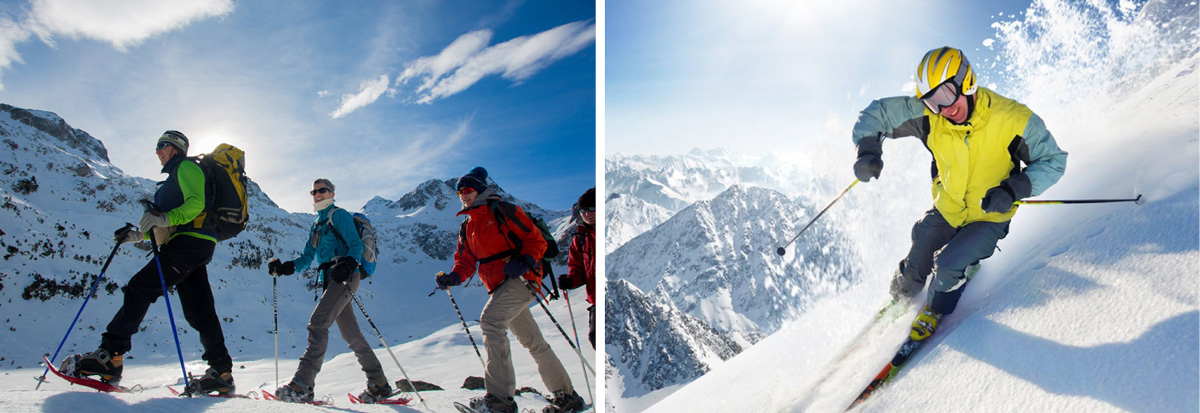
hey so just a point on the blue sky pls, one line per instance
(772, 75)
(377, 96)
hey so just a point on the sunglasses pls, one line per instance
(592, 209)
(941, 97)
(319, 191)
(465, 190)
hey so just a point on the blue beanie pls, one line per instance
(476, 179)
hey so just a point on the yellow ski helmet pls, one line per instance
(945, 64)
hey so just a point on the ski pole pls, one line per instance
(385, 344)
(575, 330)
(464, 323)
(95, 283)
(275, 303)
(560, 329)
(782, 250)
(1137, 200)
(170, 313)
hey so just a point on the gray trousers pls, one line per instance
(946, 251)
(335, 305)
(508, 309)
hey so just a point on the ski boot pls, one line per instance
(98, 363)
(294, 393)
(493, 404)
(212, 381)
(375, 393)
(925, 324)
(564, 402)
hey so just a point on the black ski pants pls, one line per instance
(184, 261)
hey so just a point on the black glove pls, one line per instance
(274, 267)
(565, 282)
(868, 166)
(1000, 199)
(340, 268)
(518, 266)
(445, 281)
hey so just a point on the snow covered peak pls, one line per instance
(50, 125)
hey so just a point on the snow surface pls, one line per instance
(1085, 308)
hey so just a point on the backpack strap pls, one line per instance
(319, 230)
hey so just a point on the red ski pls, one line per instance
(83, 381)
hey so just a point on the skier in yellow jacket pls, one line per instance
(979, 141)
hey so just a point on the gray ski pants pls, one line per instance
(335, 305)
(508, 309)
(946, 251)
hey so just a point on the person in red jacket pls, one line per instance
(500, 243)
(581, 258)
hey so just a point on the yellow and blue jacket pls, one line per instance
(969, 159)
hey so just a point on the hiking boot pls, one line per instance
(375, 393)
(564, 402)
(493, 404)
(98, 363)
(294, 393)
(212, 381)
(925, 324)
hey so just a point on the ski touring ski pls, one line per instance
(89, 382)
(387, 400)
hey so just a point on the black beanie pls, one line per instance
(587, 200)
(476, 179)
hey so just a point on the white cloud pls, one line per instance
(371, 90)
(451, 57)
(121, 23)
(463, 63)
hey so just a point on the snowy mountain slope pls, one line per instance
(60, 199)
(655, 343)
(1084, 308)
(717, 261)
(715, 286)
(644, 190)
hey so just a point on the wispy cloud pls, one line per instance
(516, 60)
(468, 59)
(371, 90)
(122, 23)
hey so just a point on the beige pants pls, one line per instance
(508, 309)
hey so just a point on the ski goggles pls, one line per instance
(941, 97)
(592, 209)
(319, 191)
(465, 190)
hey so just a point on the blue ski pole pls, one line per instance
(95, 283)
(170, 313)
